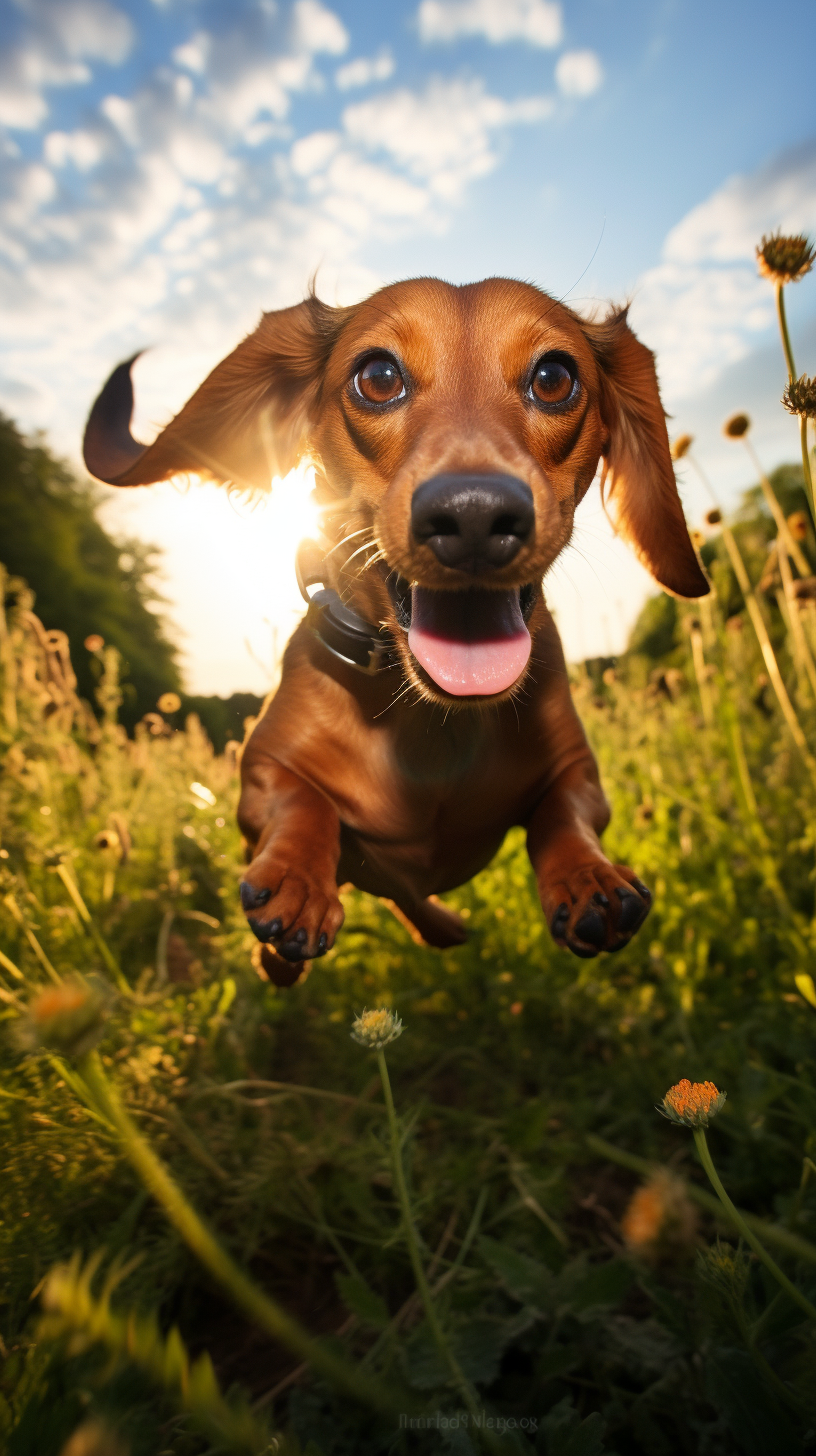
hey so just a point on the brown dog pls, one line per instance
(453, 432)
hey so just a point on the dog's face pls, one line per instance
(457, 430)
(454, 431)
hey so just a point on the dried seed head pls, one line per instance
(692, 1104)
(681, 446)
(697, 539)
(169, 703)
(798, 525)
(94, 1438)
(375, 1029)
(713, 518)
(785, 259)
(659, 1213)
(736, 427)
(107, 839)
(68, 1018)
(800, 397)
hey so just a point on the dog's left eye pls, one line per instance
(555, 380)
(379, 380)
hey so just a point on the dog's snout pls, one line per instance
(473, 522)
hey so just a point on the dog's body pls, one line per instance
(453, 431)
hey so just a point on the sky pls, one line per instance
(170, 168)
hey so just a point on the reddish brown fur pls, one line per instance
(355, 778)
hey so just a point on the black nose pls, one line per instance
(473, 522)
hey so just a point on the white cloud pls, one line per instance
(578, 73)
(318, 29)
(194, 54)
(703, 306)
(82, 148)
(58, 38)
(364, 70)
(536, 21)
(443, 135)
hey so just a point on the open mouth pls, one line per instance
(470, 643)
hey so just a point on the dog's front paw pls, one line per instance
(596, 907)
(290, 910)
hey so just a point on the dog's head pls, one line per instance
(454, 431)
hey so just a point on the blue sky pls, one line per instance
(170, 169)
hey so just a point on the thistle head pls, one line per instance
(681, 446)
(713, 518)
(785, 259)
(67, 1018)
(692, 1104)
(800, 397)
(375, 1029)
(737, 426)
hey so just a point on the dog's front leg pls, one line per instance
(590, 904)
(289, 891)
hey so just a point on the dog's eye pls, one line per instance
(379, 381)
(555, 379)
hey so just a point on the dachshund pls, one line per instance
(424, 706)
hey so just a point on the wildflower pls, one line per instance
(169, 703)
(67, 1018)
(658, 1212)
(691, 1104)
(107, 839)
(94, 643)
(798, 525)
(736, 427)
(375, 1029)
(93, 1438)
(697, 539)
(785, 259)
(800, 397)
(714, 517)
(681, 446)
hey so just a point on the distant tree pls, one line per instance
(85, 583)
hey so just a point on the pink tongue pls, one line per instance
(471, 643)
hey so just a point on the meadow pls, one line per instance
(216, 1234)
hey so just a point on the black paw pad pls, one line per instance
(592, 928)
(643, 890)
(265, 930)
(584, 951)
(252, 898)
(599, 898)
(631, 911)
(294, 949)
(322, 944)
(559, 921)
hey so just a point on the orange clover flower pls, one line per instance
(692, 1104)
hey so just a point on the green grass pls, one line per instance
(514, 1057)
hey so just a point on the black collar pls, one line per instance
(342, 631)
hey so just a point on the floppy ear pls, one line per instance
(638, 470)
(244, 424)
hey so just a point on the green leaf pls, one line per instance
(567, 1435)
(358, 1297)
(523, 1277)
(586, 1287)
(760, 1426)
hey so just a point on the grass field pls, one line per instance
(214, 1236)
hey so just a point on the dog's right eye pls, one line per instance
(379, 380)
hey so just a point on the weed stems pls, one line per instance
(736, 1217)
(459, 1378)
(257, 1305)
